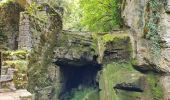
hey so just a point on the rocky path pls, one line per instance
(17, 95)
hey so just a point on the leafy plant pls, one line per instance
(32, 8)
(100, 15)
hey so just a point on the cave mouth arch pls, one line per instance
(78, 78)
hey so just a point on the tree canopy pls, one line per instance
(91, 15)
(100, 15)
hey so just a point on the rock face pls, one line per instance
(135, 16)
(82, 49)
(41, 39)
(143, 46)
(165, 38)
(74, 50)
(165, 80)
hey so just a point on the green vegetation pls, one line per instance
(93, 15)
(5, 2)
(100, 42)
(19, 54)
(17, 60)
(113, 74)
(41, 56)
(72, 15)
(81, 94)
(99, 15)
(32, 8)
(156, 90)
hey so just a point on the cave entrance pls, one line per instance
(78, 80)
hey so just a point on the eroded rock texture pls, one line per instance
(135, 17)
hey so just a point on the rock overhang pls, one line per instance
(82, 49)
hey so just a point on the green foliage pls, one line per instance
(32, 8)
(15, 55)
(5, 2)
(100, 15)
(72, 15)
(156, 90)
(78, 94)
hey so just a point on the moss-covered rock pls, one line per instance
(15, 55)
(116, 73)
(83, 49)
(17, 60)
(9, 23)
(111, 46)
(42, 73)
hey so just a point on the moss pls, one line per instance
(9, 23)
(21, 65)
(39, 61)
(18, 60)
(113, 74)
(101, 41)
(41, 56)
(134, 62)
(21, 2)
(15, 55)
(156, 90)
(5, 2)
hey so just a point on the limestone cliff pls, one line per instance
(149, 25)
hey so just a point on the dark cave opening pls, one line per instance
(78, 78)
